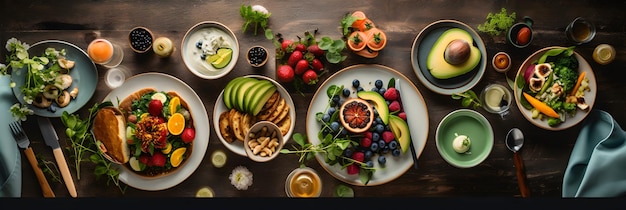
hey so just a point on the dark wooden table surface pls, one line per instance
(546, 153)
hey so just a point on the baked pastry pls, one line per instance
(109, 129)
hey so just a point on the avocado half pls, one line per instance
(437, 64)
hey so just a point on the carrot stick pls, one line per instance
(580, 80)
(541, 106)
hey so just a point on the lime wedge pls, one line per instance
(205, 192)
(218, 158)
(225, 57)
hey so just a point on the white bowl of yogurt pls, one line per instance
(210, 50)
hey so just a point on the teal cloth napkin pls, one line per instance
(597, 165)
(10, 156)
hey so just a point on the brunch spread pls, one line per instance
(453, 54)
(552, 88)
(362, 35)
(371, 126)
(152, 132)
(249, 100)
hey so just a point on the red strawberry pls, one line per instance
(300, 47)
(309, 77)
(188, 135)
(402, 115)
(366, 142)
(388, 136)
(394, 106)
(158, 159)
(315, 49)
(301, 67)
(287, 45)
(317, 65)
(285, 73)
(391, 94)
(353, 169)
(145, 159)
(294, 58)
(358, 156)
(155, 107)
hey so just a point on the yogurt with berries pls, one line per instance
(203, 41)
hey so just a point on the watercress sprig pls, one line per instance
(468, 98)
(255, 15)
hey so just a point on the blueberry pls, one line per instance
(336, 99)
(384, 150)
(346, 92)
(374, 147)
(375, 112)
(356, 83)
(368, 154)
(326, 117)
(395, 152)
(378, 83)
(382, 91)
(335, 126)
(382, 160)
(348, 152)
(375, 89)
(203, 56)
(393, 145)
(381, 143)
(199, 44)
(344, 132)
(359, 89)
(369, 164)
(380, 128)
(331, 111)
(341, 101)
(375, 136)
(378, 120)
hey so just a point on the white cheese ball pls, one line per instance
(461, 143)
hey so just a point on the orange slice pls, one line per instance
(176, 124)
(377, 39)
(177, 156)
(357, 41)
(174, 103)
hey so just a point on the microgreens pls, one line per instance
(256, 15)
(469, 98)
(497, 23)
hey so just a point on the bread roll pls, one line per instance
(110, 129)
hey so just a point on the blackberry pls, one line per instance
(140, 39)
(257, 56)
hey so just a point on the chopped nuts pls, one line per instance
(263, 142)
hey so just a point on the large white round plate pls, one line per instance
(84, 76)
(191, 54)
(417, 116)
(164, 82)
(590, 97)
(220, 107)
(423, 44)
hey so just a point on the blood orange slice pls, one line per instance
(356, 115)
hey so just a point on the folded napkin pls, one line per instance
(10, 156)
(597, 165)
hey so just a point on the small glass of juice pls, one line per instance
(105, 53)
(303, 183)
(496, 99)
(580, 31)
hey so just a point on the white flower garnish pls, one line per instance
(241, 178)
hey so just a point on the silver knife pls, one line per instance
(413, 153)
(52, 140)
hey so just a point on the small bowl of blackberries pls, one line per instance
(257, 56)
(140, 39)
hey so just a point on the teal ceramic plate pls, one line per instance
(423, 44)
(417, 117)
(464, 122)
(84, 76)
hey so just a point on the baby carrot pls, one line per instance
(580, 80)
(542, 107)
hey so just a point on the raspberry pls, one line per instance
(394, 106)
(402, 115)
(145, 159)
(358, 156)
(388, 136)
(366, 142)
(368, 134)
(391, 94)
(353, 169)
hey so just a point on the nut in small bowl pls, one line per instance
(140, 39)
(263, 141)
(257, 56)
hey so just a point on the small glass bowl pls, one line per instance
(496, 98)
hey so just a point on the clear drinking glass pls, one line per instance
(496, 99)
(303, 182)
(115, 77)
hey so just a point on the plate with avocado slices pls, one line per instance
(356, 84)
(448, 57)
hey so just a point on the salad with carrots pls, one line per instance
(552, 88)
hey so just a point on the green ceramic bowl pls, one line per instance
(464, 122)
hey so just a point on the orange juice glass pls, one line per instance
(103, 52)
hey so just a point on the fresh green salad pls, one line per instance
(552, 88)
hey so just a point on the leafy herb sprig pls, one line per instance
(468, 98)
(497, 23)
(82, 145)
(255, 15)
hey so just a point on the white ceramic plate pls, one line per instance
(590, 97)
(417, 116)
(164, 82)
(191, 54)
(237, 146)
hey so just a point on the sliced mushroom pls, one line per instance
(543, 70)
(51, 92)
(74, 92)
(64, 99)
(66, 64)
(42, 102)
(63, 81)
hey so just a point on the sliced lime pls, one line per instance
(204, 192)
(218, 158)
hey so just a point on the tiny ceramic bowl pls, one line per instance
(464, 122)
(257, 56)
(263, 141)
(501, 62)
(140, 39)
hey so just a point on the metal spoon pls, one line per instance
(514, 141)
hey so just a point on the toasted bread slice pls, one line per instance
(110, 129)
